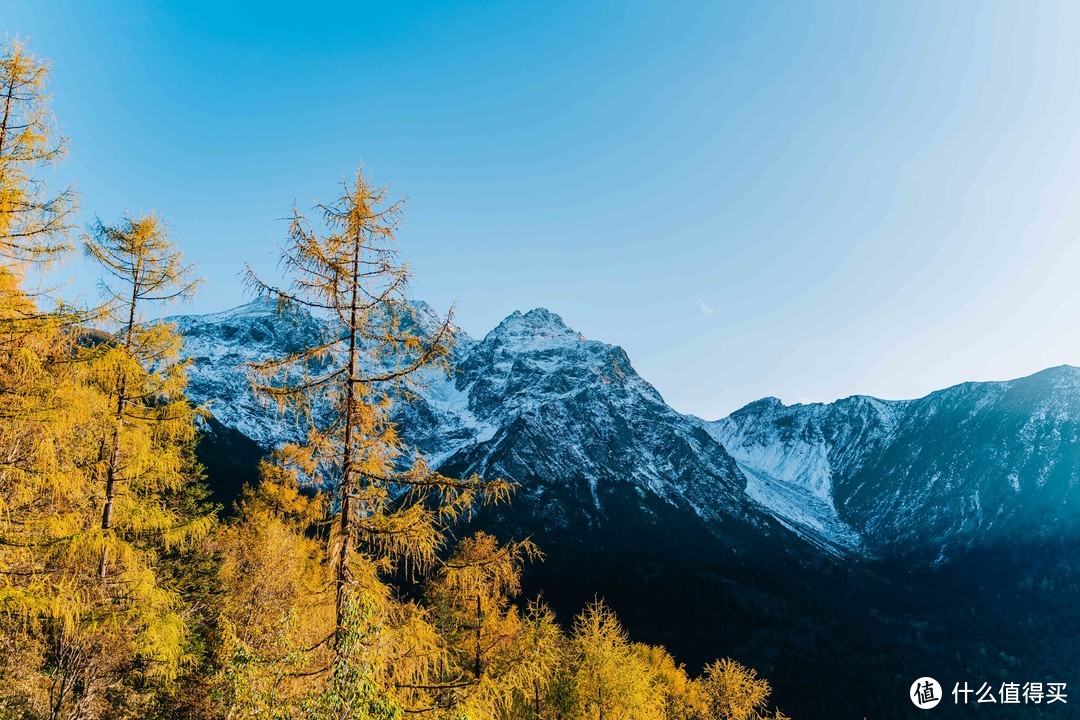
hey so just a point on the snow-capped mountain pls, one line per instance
(582, 433)
(219, 347)
(959, 467)
(558, 408)
(534, 402)
(573, 423)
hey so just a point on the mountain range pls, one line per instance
(780, 522)
(537, 403)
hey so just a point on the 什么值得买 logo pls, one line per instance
(925, 693)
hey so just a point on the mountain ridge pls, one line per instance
(853, 478)
(1063, 368)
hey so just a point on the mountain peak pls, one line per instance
(259, 307)
(540, 318)
(542, 313)
(769, 402)
(538, 327)
(1070, 372)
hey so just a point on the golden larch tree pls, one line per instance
(390, 511)
(33, 221)
(471, 598)
(610, 681)
(151, 421)
(733, 691)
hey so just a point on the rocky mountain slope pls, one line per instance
(566, 418)
(969, 465)
(571, 421)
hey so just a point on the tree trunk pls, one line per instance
(345, 526)
(479, 630)
(112, 474)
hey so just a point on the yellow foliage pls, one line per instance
(734, 692)
(86, 592)
(347, 269)
(681, 697)
(610, 680)
(32, 221)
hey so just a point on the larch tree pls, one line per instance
(274, 605)
(47, 412)
(143, 436)
(611, 682)
(151, 422)
(472, 594)
(33, 221)
(78, 636)
(471, 599)
(91, 420)
(536, 682)
(735, 692)
(388, 508)
(390, 511)
(682, 698)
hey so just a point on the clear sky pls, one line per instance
(807, 200)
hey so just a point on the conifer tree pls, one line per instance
(151, 421)
(472, 596)
(682, 698)
(33, 221)
(87, 642)
(610, 681)
(110, 630)
(274, 606)
(46, 412)
(471, 599)
(735, 692)
(389, 511)
(536, 684)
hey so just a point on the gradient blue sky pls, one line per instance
(807, 200)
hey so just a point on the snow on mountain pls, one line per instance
(533, 402)
(573, 423)
(790, 455)
(568, 409)
(219, 347)
(977, 463)
(961, 466)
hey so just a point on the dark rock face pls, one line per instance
(973, 464)
(563, 409)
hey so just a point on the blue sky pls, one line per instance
(807, 200)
